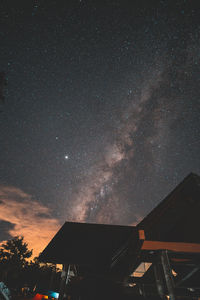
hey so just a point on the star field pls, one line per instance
(102, 107)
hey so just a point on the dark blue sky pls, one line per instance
(112, 85)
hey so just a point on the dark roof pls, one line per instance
(177, 217)
(85, 244)
(113, 252)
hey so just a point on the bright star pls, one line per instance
(66, 157)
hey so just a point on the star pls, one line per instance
(66, 157)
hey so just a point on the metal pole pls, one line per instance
(68, 274)
(159, 280)
(168, 274)
(188, 275)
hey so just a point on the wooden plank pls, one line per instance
(141, 234)
(63, 282)
(172, 246)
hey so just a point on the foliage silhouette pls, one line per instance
(18, 271)
(13, 259)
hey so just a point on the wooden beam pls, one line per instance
(62, 283)
(171, 246)
(64, 278)
(141, 234)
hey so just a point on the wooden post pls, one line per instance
(53, 271)
(168, 274)
(63, 281)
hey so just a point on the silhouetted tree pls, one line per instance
(15, 251)
(13, 259)
(16, 271)
(42, 276)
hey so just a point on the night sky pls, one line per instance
(102, 110)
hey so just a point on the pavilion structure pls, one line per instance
(157, 259)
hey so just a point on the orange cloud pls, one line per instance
(29, 218)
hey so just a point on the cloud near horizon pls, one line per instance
(25, 217)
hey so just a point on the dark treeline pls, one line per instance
(20, 273)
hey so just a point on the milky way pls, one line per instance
(101, 115)
(144, 134)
